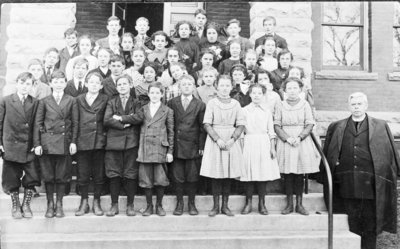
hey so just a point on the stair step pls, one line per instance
(154, 223)
(313, 202)
(180, 240)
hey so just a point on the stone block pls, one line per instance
(36, 31)
(57, 16)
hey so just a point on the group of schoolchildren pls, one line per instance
(127, 110)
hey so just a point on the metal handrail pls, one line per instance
(330, 190)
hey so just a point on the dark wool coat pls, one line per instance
(244, 99)
(56, 126)
(386, 166)
(91, 134)
(156, 134)
(280, 42)
(72, 91)
(118, 137)
(188, 127)
(16, 127)
(65, 57)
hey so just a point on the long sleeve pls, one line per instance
(211, 132)
(39, 123)
(170, 131)
(75, 121)
(134, 118)
(202, 135)
(238, 131)
(278, 124)
(2, 116)
(108, 118)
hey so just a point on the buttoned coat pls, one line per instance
(386, 167)
(16, 127)
(188, 128)
(56, 126)
(118, 137)
(156, 133)
(91, 133)
(71, 90)
(110, 89)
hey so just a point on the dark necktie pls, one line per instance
(23, 99)
(123, 102)
(185, 103)
(80, 86)
(358, 126)
(48, 73)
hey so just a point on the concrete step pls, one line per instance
(313, 202)
(200, 223)
(183, 240)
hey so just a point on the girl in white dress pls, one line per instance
(259, 154)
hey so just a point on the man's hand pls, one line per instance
(116, 117)
(127, 125)
(72, 149)
(38, 150)
(170, 158)
(201, 152)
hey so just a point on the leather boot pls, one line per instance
(26, 203)
(114, 210)
(97, 210)
(289, 207)
(50, 209)
(149, 199)
(192, 206)
(59, 204)
(224, 209)
(299, 205)
(179, 207)
(83, 208)
(261, 205)
(130, 211)
(215, 210)
(248, 207)
(160, 194)
(16, 205)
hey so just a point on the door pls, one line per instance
(176, 11)
(119, 10)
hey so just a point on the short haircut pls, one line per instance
(235, 41)
(200, 11)
(283, 52)
(113, 18)
(52, 49)
(124, 76)
(81, 61)
(232, 21)
(162, 33)
(211, 69)
(358, 95)
(117, 58)
(269, 18)
(96, 74)
(57, 74)
(186, 77)
(262, 71)
(35, 62)
(157, 85)
(87, 37)
(128, 34)
(70, 31)
(138, 48)
(24, 76)
(106, 50)
(292, 79)
(239, 67)
(224, 77)
(263, 88)
(144, 19)
(270, 38)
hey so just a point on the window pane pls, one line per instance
(341, 46)
(342, 12)
(396, 47)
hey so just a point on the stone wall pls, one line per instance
(293, 23)
(32, 28)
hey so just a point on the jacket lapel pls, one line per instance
(190, 107)
(129, 105)
(158, 115)
(53, 104)
(340, 132)
(96, 103)
(18, 106)
(371, 128)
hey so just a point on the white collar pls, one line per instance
(76, 82)
(60, 94)
(20, 96)
(190, 97)
(152, 105)
(359, 119)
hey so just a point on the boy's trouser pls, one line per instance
(13, 172)
(153, 174)
(122, 163)
(55, 168)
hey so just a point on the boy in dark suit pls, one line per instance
(55, 135)
(117, 66)
(76, 86)
(269, 24)
(70, 50)
(189, 142)
(51, 62)
(122, 146)
(103, 57)
(91, 143)
(113, 40)
(17, 113)
(156, 145)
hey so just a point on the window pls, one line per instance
(396, 36)
(343, 36)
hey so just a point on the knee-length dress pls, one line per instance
(257, 162)
(223, 117)
(303, 159)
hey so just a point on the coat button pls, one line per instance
(63, 133)
(355, 166)
(26, 124)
